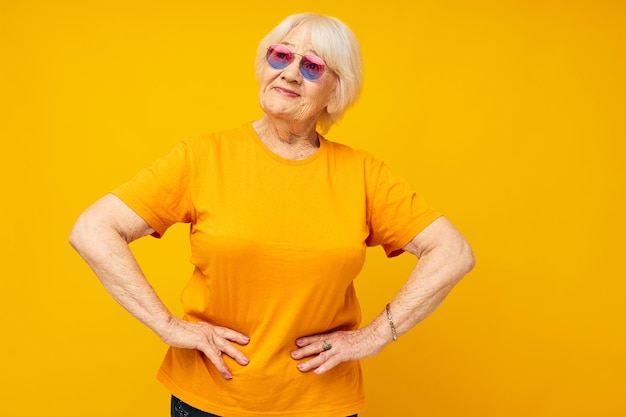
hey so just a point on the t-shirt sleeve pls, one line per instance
(161, 194)
(395, 212)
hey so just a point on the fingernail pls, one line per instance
(294, 355)
(300, 366)
(299, 342)
(246, 339)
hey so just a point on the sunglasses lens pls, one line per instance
(312, 67)
(279, 56)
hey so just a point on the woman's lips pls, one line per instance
(286, 92)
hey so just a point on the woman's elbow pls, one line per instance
(79, 233)
(90, 227)
(467, 260)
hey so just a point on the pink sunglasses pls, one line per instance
(279, 56)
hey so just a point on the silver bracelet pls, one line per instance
(394, 335)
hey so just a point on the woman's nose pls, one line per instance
(292, 71)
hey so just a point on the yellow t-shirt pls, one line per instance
(276, 245)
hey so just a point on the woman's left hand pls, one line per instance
(330, 349)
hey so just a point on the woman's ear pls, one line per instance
(333, 103)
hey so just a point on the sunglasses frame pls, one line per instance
(308, 57)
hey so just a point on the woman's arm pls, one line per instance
(101, 236)
(444, 258)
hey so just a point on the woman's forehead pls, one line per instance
(300, 37)
(300, 33)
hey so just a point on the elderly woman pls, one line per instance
(280, 220)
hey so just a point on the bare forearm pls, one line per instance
(430, 283)
(440, 267)
(107, 253)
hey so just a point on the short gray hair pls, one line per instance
(337, 45)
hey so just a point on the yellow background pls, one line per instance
(506, 115)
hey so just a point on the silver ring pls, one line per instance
(327, 346)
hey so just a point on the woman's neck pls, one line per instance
(285, 140)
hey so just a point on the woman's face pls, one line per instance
(286, 94)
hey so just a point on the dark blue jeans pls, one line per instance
(181, 409)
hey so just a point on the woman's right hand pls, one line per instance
(211, 340)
